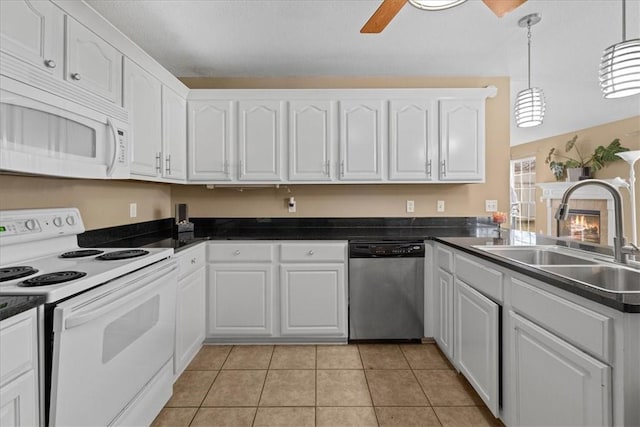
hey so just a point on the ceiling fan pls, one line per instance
(389, 8)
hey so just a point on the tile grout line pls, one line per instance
(273, 350)
(211, 385)
(364, 372)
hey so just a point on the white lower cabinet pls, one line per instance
(443, 312)
(477, 342)
(312, 300)
(556, 384)
(277, 291)
(19, 370)
(240, 300)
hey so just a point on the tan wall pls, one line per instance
(101, 203)
(627, 130)
(365, 200)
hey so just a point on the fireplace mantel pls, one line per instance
(554, 190)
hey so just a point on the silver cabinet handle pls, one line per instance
(50, 63)
(310, 252)
(444, 168)
(193, 260)
(158, 161)
(168, 164)
(75, 76)
(342, 168)
(237, 252)
(429, 169)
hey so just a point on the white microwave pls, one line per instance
(45, 134)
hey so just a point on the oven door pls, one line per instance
(109, 343)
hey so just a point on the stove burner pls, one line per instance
(81, 253)
(10, 273)
(117, 255)
(52, 278)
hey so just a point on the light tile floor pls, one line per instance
(324, 385)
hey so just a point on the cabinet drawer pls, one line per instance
(19, 345)
(313, 252)
(190, 260)
(240, 252)
(479, 277)
(444, 259)
(586, 329)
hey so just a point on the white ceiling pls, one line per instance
(275, 38)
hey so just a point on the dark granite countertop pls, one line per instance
(628, 302)
(12, 305)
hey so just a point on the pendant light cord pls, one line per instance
(529, 54)
(624, 20)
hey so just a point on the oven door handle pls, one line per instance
(102, 304)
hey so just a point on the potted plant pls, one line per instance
(582, 166)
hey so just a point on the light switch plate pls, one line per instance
(440, 206)
(411, 207)
(133, 210)
(491, 205)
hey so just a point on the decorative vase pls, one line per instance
(574, 174)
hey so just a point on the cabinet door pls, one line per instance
(259, 140)
(143, 101)
(210, 137)
(33, 31)
(174, 135)
(311, 138)
(313, 300)
(571, 388)
(410, 157)
(461, 140)
(92, 63)
(190, 319)
(18, 402)
(240, 300)
(443, 312)
(476, 337)
(361, 140)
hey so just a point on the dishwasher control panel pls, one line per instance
(386, 249)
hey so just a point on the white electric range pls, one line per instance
(108, 320)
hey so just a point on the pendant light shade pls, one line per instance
(435, 4)
(620, 69)
(620, 65)
(530, 104)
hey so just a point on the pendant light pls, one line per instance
(530, 105)
(435, 4)
(620, 66)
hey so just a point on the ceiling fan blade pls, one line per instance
(502, 7)
(382, 16)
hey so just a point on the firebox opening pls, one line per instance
(582, 225)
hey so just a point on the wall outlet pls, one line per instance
(291, 204)
(411, 207)
(133, 210)
(491, 205)
(440, 206)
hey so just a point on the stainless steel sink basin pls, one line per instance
(608, 278)
(539, 255)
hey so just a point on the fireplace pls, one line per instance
(582, 225)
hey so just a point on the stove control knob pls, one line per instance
(30, 224)
(71, 220)
(57, 221)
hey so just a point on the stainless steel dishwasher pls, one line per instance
(386, 290)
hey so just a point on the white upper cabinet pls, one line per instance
(361, 140)
(92, 63)
(462, 142)
(260, 136)
(410, 134)
(143, 101)
(33, 32)
(210, 133)
(174, 135)
(312, 130)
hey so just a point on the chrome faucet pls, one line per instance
(620, 250)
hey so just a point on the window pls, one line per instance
(523, 194)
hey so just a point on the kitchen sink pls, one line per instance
(608, 278)
(540, 255)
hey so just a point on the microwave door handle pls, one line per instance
(144, 286)
(112, 165)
